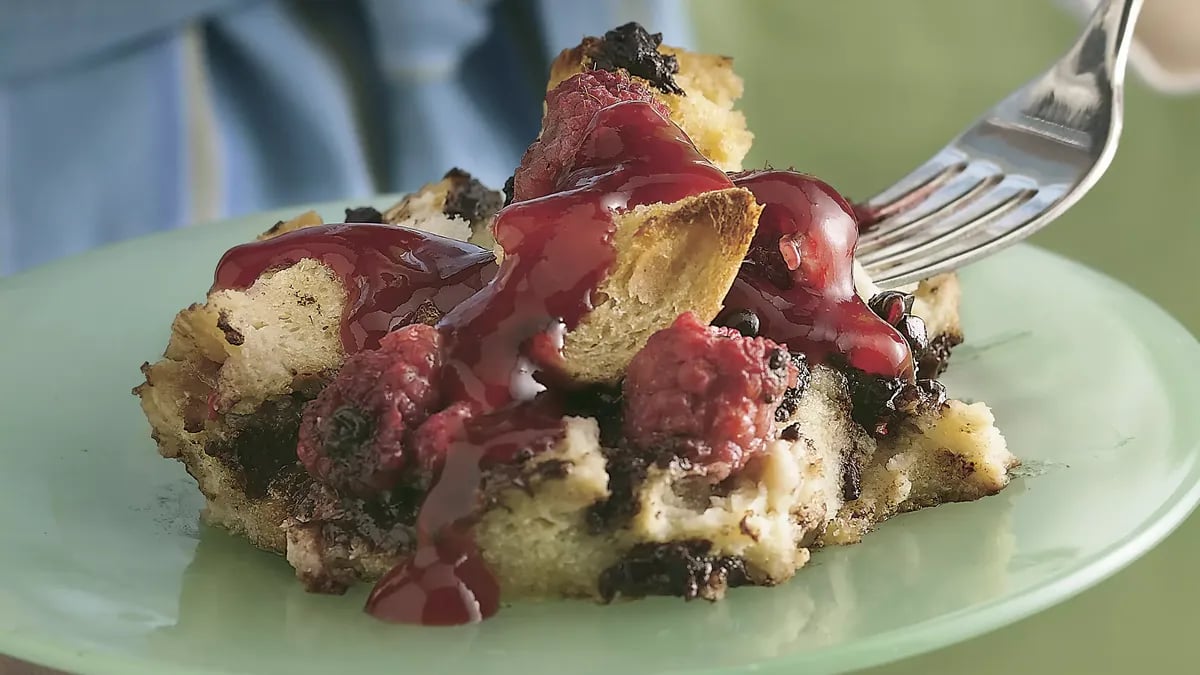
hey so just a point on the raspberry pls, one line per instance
(570, 108)
(353, 435)
(502, 436)
(432, 440)
(706, 393)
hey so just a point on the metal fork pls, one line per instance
(1020, 166)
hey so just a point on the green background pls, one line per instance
(859, 92)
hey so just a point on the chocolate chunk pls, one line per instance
(261, 447)
(891, 306)
(386, 519)
(878, 403)
(935, 357)
(232, 335)
(604, 404)
(685, 569)
(912, 328)
(632, 48)
(743, 321)
(469, 199)
(790, 403)
(895, 308)
(509, 187)
(933, 393)
(626, 471)
(851, 480)
(363, 214)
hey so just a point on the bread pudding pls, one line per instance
(638, 370)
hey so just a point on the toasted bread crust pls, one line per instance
(671, 259)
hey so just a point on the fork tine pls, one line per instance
(943, 166)
(992, 230)
(974, 179)
(986, 202)
(1017, 168)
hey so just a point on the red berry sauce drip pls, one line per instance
(503, 345)
(389, 272)
(558, 249)
(798, 277)
(446, 581)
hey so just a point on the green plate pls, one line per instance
(104, 569)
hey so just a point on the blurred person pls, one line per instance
(122, 117)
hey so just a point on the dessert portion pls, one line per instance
(638, 371)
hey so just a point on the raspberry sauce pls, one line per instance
(503, 345)
(558, 249)
(798, 277)
(392, 275)
(446, 580)
(445, 583)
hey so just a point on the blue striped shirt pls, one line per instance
(124, 117)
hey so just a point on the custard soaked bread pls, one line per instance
(629, 398)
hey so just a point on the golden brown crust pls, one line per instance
(671, 259)
(306, 219)
(429, 199)
(230, 363)
(936, 300)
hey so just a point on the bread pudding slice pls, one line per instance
(665, 455)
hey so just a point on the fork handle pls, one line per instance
(1084, 89)
(1103, 48)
